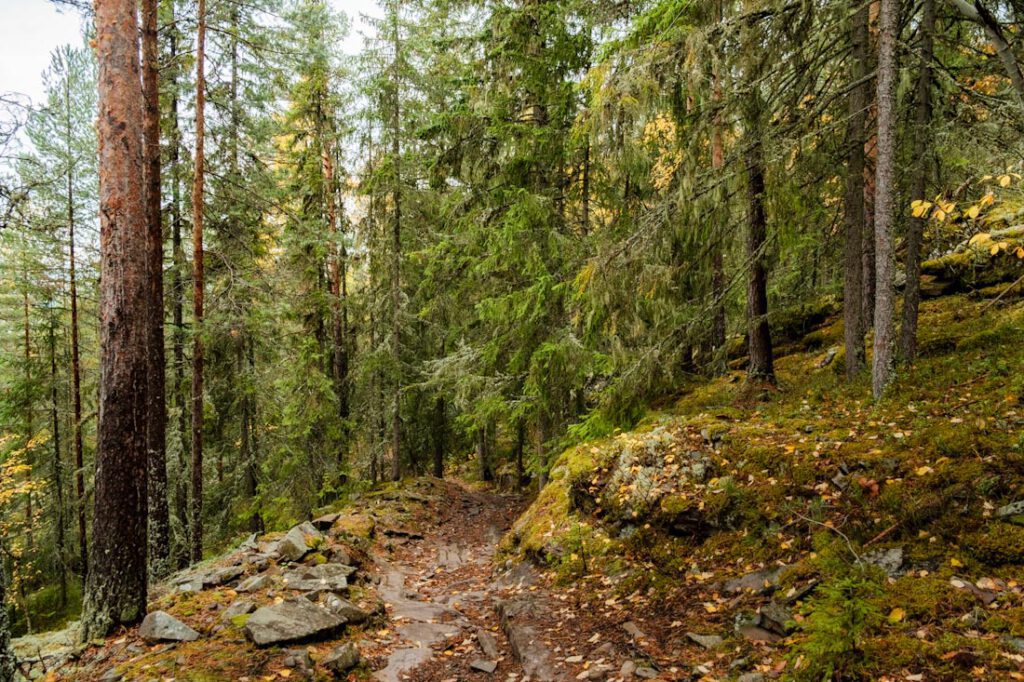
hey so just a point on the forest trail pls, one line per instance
(441, 588)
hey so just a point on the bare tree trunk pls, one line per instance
(885, 291)
(76, 365)
(156, 421)
(396, 266)
(8, 661)
(718, 358)
(440, 427)
(196, 511)
(183, 547)
(915, 229)
(853, 269)
(761, 367)
(58, 477)
(116, 587)
(29, 427)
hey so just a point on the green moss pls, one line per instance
(998, 544)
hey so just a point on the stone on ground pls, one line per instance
(290, 621)
(325, 577)
(342, 658)
(484, 666)
(160, 626)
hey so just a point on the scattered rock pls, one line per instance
(751, 677)
(756, 633)
(342, 658)
(112, 676)
(298, 658)
(292, 547)
(760, 582)
(325, 522)
(776, 618)
(160, 626)
(324, 577)
(221, 576)
(525, 640)
(646, 673)
(290, 621)
(627, 670)
(1015, 643)
(830, 355)
(633, 630)
(488, 644)
(889, 560)
(346, 609)
(239, 607)
(706, 641)
(256, 582)
(484, 666)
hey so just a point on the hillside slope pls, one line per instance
(809, 532)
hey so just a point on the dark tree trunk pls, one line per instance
(183, 548)
(853, 269)
(156, 419)
(440, 427)
(717, 356)
(58, 477)
(115, 591)
(885, 291)
(520, 444)
(8, 662)
(196, 511)
(76, 370)
(761, 367)
(915, 229)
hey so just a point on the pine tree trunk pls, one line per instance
(115, 591)
(915, 228)
(8, 662)
(396, 265)
(761, 367)
(717, 357)
(183, 547)
(853, 270)
(439, 436)
(58, 477)
(885, 290)
(196, 510)
(76, 370)
(156, 420)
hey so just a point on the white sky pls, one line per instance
(31, 29)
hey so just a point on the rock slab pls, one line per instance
(160, 626)
(290, 621)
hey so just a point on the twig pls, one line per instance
(838, 532)
(1005, 291)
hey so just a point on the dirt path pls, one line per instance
(440, 587)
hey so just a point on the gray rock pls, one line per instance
(239, 607)
(627, 670)
(112, 676)
(342, 658)
(633, 630)
(528, 646)
(326, 521)
(293, 546)
(751, 677)
(1012, 509)
(298, 658)
(645, 673)
(706, 641)
(221, 575)
(488, 643)
(760, 582)
(254, 583)
(346, 609)
(325, 577)
(1015, 643)
(889, 560)
(290, 621)
(160, 626)
(776, 618)
(484, 666)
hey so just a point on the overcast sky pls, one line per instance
(31, 29)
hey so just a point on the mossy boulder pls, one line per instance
(998, 544)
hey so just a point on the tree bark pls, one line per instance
(8, 661)
(76, 368)
(853, 251)
(115, 591)
(440, 427)
(183, 546)
(915, 229)
(196, 511)
(156, 420)
(58, 477)
(396, 261)
(885, 291)
(761, 367)
(717, 356)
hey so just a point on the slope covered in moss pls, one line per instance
(815, 531)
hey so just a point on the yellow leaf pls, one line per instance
(284, 673)
(1020, 252)
(939, 215)
(1004, 180)
(973, 212)
(993, 250)
(896, 615)
(956, 563)
(923, 470)
(977, 238)
(988, 199)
